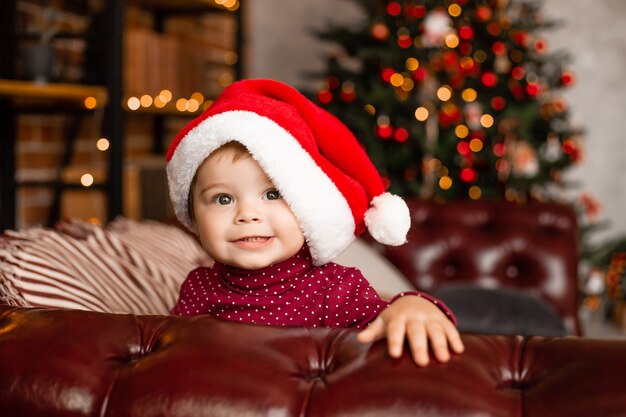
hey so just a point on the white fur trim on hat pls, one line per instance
(388, 219)
(321, 209)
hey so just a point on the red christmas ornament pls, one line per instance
(401, 134)
(380, 31)
(533, 89)
(567, 78)
(489, 79)
(483, 13)
(467, 175)
(540, 46)
(418, 11)
(520, 37)
(498, 103)
(386, 74)
(569, 146)
(348, 96)
(333, 82)
(450, 115)
(466, 48)
(457, 82)
(518, 73)
(499, 149)
(385, 131)
(419, 74)
(450, 60)
(516, 89)
(405, 41)
(463, 148)
(494, 29)
(325, 96)
(394, 9)
(498, 48)
(466, 32)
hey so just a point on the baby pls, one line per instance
(276, 188)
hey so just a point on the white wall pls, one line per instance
(594, 33)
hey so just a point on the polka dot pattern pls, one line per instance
(290, 293)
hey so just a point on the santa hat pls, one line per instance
(313, 159)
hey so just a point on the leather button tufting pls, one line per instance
(450, 271)
(512, 271)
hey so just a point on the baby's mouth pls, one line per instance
(252, 242)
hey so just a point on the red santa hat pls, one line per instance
(313, 159)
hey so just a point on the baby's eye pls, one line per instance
(223, 199)
(272, 195)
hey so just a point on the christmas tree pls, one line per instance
(454, 98)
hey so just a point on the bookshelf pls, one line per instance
(114, 84)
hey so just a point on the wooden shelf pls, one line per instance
(16, 89)
(179, 5)
(169, 110)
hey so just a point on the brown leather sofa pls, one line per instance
(522, 253)
(77, 363)
(56, 362)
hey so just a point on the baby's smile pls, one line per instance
(253, 242)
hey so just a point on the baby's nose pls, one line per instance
(248, 213)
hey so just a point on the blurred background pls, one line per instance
(453, 99)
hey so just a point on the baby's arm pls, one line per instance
(419, 319)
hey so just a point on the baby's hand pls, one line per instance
(421, 321)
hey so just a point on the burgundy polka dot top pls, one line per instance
(293, 292)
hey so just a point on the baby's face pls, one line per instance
(240, 217)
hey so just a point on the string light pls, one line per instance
(146, 100)
(476, 145)
(192, 105)
(165, 96)
(412, 64)
(469, 95)
(461, 131)
(181, 104)
(445, 183)
(369, 109)
(474, 192)
(102, 144)
(230, 58)
(454, 10)
(158, 103)
(452, 41)
(396, 80)
(133, 103)
(86, 180)
(407, 84)
(421, 114)
(198, 96)
(444, 93)
(486, 121)
(91, 103)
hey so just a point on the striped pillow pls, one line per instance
(127, 267)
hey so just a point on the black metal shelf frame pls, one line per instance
(113, 126)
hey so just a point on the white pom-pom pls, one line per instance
(388, 219)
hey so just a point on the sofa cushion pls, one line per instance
(125, 267)
(500, 311)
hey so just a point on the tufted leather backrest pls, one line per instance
(530, 247)
(79, 363)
